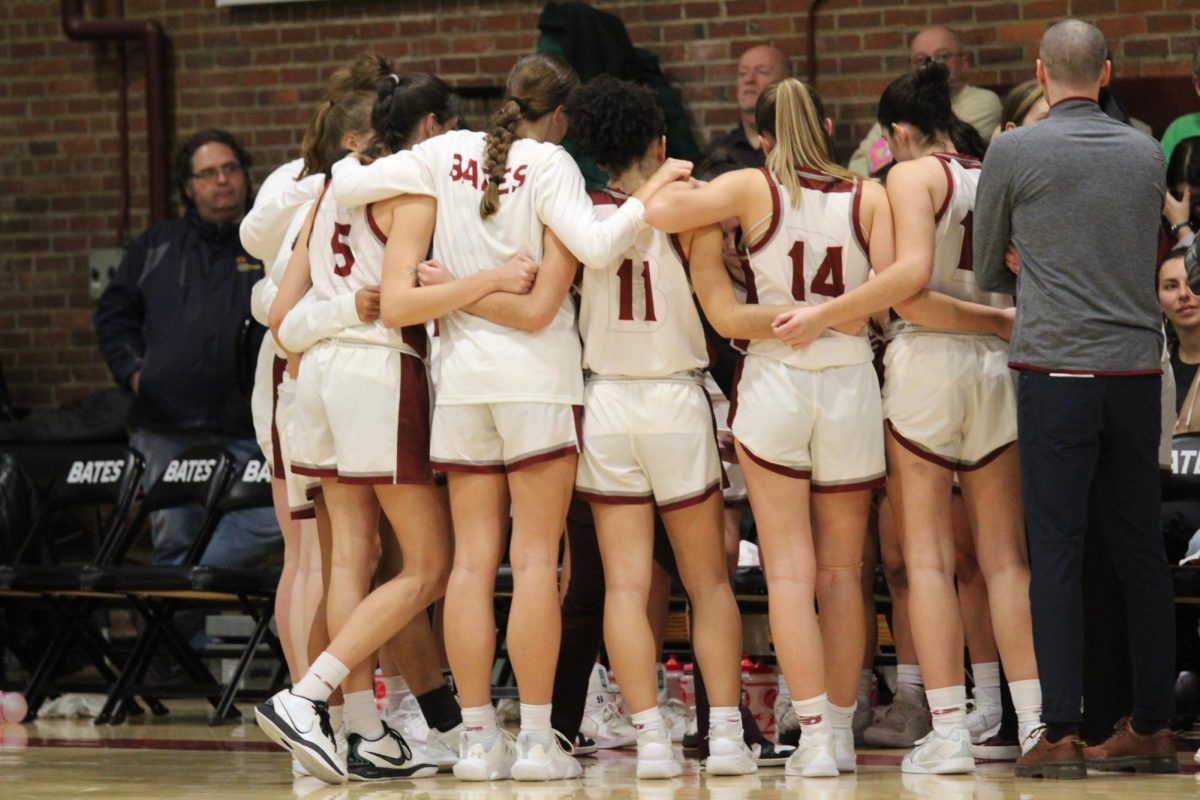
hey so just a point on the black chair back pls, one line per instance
(92, 475)
(1184, 480)
(251, 488)
(199, 476)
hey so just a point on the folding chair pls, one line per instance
(76, 477)
(160, 592)
(197, 477)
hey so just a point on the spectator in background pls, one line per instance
(758, 67)
(169, 327)
(1189, 124)
(978, 107)
(1181, 205)
(1181, 308)
(1048, 189)
(1024, 105)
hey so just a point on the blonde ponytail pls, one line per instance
(791, 113)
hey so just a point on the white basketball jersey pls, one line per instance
(810, 252)
(637, 316)
(345, 254)
(953, 262)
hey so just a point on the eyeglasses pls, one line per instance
(941, 57)
(210, 174)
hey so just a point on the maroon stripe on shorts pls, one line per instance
(779, 469)
(278, 368)
(413, 423)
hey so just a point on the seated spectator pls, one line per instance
(168, 325)
(758, 68)
(1189, 124)
(1181, 308)
(978, 107)
(1181, 205)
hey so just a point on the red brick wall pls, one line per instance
(257, 71)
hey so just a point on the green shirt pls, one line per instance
(1184, 127)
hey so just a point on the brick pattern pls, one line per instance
(258, 70)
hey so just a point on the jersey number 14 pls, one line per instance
(828, 282)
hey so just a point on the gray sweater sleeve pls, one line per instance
(993, 228)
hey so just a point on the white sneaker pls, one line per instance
(298, 770)
(385, 758)
(302, 726)
(864, 717)
(905, 721)
(441, 748)
(787, 723)
(408, 720)
(485, 756)
(603, 723)
(814, 757)
(677, 717)
(544, 756)
(728, 753)
(843, 750)
(941, 755)
(983, 721)
(656, 757)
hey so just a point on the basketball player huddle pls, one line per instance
(424, 323)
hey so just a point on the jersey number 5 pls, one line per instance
(343, 256)
(625, 276)
(828, 282)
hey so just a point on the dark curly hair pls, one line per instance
(613, 122)
(183, 159)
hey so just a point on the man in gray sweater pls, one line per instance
(1079, 195)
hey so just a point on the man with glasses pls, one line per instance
(169, 325)
(978, 107)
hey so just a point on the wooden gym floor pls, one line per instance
(181, 756)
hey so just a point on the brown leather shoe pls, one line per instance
(1061, 760)
(1126, 749)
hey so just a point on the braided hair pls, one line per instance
(536, 86)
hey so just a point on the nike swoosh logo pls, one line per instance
(292, 721)
(399, 762)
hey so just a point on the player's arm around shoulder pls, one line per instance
(685, 205)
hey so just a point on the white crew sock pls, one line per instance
(362, 717)
(1027, 701)
(480, 719)
(909, 675)
(987, 683)
(813, 714)
(650, 721)
(948, 708)
(325, 675)
(535, 719)
(865, 682)
(842, 717)
(727, 717)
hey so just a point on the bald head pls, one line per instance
(1073, 54)
(759, 67)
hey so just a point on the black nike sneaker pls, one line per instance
(387, 757)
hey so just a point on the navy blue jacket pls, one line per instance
(174, 310)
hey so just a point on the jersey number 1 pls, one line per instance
(625, 276)
(343, 256)
(828, 282)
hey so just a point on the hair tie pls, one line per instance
(395, 77)
(521, 104)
